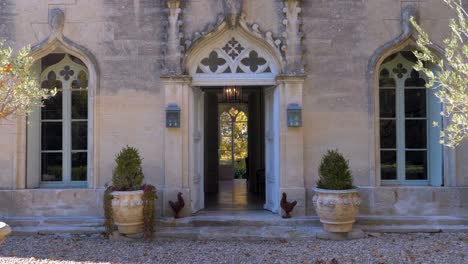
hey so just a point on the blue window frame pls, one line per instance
(410, 153)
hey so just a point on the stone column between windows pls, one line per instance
(176, 145)
(291, 141)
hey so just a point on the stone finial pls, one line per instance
(292, 35)
(408, 12)
(56, 21)
(233, 10)
(174, 6)
(174, 36)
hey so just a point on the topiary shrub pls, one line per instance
(334, 172)
(128, 174)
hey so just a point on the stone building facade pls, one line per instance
(345, 63)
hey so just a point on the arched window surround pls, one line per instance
(57, 133)
(27, 176)
(400, 70)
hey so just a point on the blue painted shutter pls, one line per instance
(435, 149)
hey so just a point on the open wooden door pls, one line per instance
(211, 142)
(272, 163)
(197, 148)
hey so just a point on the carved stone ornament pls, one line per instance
(56, 21)
(233, 57)
(232, 10)
(292, 35)
(407, 32)
(173, 52)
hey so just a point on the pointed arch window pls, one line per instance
(63, 123)
(409, 148)
(233, 135)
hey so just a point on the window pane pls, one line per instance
(241, 117)
(416, 166)
(414, 80)
(388, 166)
(80, 104)
(415, 102)
(51, 136)
(387, 134)
(415, 133)
(225, 157)
(226, 143)
(79, 135)
(387, 102)
(226, 129)
(225, 116)
(79, 166)
(385, 80)
(51, 167)
(52, 107)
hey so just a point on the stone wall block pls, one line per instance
(366, 200)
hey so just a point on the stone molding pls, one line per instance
(407, 32)
(57, 41)
(288, 51)
(292, 35)
(212, 30)
(176, 78)
(173, 51)
(232, 10)
(404, 39)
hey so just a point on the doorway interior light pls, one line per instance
(232, 94)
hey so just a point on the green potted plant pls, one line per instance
(128, 203)
(336, 200)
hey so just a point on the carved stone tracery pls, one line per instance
(233, 57)
(289, 52)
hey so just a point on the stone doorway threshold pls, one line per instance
(241, 225)
(238, 225)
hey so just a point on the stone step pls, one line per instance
(243, 233)
(241, 224)
(203, 221)
(413, 228)
(275, 220)
(80, 221)
(56, 229)
(52, 225)
(412, 220)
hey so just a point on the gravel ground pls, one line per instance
(378, 248)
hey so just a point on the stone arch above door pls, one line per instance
(237, 56)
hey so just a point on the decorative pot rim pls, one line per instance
(319, 190)
(126, 192)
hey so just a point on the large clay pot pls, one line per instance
(4, 231)
(127, 209)
(337, 209)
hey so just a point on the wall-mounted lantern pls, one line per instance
(172, 115)
(294, 115)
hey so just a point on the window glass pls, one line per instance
(64, 124)
(51, 167)
(403, 120)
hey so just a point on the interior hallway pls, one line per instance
(234, 196)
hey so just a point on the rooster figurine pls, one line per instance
(177, 206)
(287, 206)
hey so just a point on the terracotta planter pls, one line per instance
(127, 209)
(4, 231)
(337, 209)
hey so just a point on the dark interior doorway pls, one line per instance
(234, 148)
